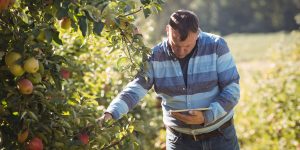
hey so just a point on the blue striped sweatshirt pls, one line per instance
(212, 81)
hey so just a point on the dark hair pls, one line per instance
(184, 21)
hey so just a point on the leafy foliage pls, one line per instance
(73, 84)
(268, 113)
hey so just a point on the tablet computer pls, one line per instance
(185, 110)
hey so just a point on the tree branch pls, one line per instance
(141, 8)
(114, 143)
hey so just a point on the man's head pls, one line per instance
(182, 30)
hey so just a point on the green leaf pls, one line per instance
(57, 80)
(62, 12)
(48, 35)
(161, 1)
(59, 144)
(38, 93)
(42, 136)
(147, 12)
(74, 25)
(65, 124)
(98, 27)
(74, 115)
(33, 116)
(24, 17)
(23, 114)
(46, 128)
(55, 36)
(127, 8)
(89, 15)
(139, 126)
(48, 16)
(145, 2)
(131, 128)
(92, 13)
(157, 7)
(83, 25)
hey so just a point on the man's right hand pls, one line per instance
(106, 116)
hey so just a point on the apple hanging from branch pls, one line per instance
(31, 65)
(84, 138)
(65, 74)
(35, 144)
(25, 86)
(12, 57)
(65, 23)
(4, 4)
(22, 136)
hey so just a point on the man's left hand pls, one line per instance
(194, 117)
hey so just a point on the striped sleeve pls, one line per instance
(132, 93)
(228, 81)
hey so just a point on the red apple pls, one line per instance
(84, 138)
(4, 4)
(25, 86)
(65, 74)
(35, 144)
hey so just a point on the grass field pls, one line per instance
(253, 47)
(252, 54)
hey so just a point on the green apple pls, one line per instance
(12, 57)
(65, 23)
(41, 68)
(16, 70)
(35, 78)
(31, 65)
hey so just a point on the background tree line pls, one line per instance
(232, 16)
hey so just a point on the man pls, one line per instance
(191, 69)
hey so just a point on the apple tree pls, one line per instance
(60, 63)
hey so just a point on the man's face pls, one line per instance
(181, 48)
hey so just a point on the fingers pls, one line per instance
(181, 117)
(102, 119)
(194, 117)
(107, 116)
(195, 112)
